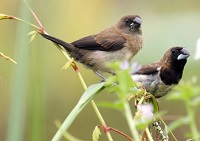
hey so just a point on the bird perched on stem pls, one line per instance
(160, 77)
(120, 42)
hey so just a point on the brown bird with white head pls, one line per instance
(120, 42)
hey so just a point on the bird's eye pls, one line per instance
(127, 21)
(174, 51)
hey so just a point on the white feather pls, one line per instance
(153, 84)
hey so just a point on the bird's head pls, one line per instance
(176, 56)
(130, 24)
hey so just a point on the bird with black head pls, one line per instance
(160, 77)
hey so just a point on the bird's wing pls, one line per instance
(149, 69)
(104, 41)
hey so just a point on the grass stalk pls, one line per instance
(15, 130)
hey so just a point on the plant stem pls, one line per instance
(103, 123)
(18, 88)
(191, 113)
(7, 58)
(130, 121)
(32, 25)
(149, 134)
(80, 77)
(121, 133)
(167, 128)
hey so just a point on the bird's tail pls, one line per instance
(66, 45)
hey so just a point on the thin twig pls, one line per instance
(117, 131)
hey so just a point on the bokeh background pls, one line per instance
(36, 92)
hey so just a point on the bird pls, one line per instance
(120, 42)
(160, 77)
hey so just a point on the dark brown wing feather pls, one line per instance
(149, 69)
(103, 41)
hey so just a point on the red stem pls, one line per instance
(107, 129)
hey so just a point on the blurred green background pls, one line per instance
(36, 92)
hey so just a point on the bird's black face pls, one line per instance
(178, 55)
(131, 23)
(173, 64)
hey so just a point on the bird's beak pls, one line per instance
(136, 22)
(184, 54)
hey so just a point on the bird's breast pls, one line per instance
(134, 43)
(153, 84)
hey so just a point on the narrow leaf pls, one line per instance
(33, 37)
(87, 96)
(67, 65)
(7, 58)
(31, 33)
(66, 134)
(90, 93)
(96, 133)
(113, 105)
(4, 16)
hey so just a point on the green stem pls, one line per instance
(7, 58)
(191, 113)
(149, 134)
(18, 91)
(81, 79)
(32, 25)
(167, 128)
(103, 123)
(10, 17)
(85, 88)
(131, 123)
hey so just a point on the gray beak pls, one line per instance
(184, 54)
(136, 22)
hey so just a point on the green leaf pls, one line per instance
(113, 105)
(87, 96)
(7, 58)
(16, 119)
(174, 95)
(154, 103)
(34, 33)
(196, 102)
(3, 16)
(184, 91)
(66, 134)
(125, 81)
(111, 80)
(67, 65)
(90, 93)
(178, 123)
(114, 65)
(142, 124)
(96, 133)
(31, 33)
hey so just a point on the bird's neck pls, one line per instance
(171, 74)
